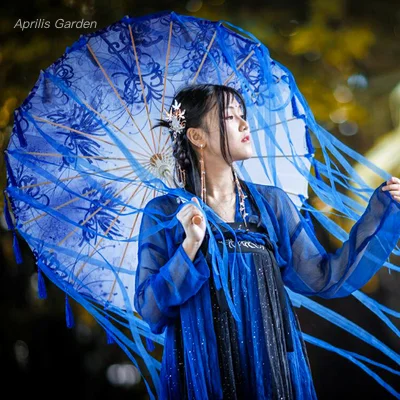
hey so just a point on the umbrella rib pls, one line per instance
(240, 65)
(165, 143)
(108, 230)
(117, 94)
(73, 200)
(126, 246)
(295, 194)
(82, 133)
(116, 127)
(204, 57)
(278, 156)
(91, 216)
(165, 76)
(142, 86)
(275, 124)
(72, 177)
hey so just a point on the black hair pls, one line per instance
(197, 100)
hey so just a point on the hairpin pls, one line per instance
(176, 119)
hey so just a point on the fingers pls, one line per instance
(193, 207)
(392, 184)
(189, 215)
(390, 187)
(189, 210)
(184, 214)
(393, 187)
(393, 180)
(196, 200)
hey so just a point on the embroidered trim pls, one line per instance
(242, 243)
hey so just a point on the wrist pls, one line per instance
(195, 244)
(191, 247)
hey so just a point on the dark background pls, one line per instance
(323, 43)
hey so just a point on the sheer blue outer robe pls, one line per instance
(170, 287)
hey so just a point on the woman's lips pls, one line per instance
(246, 139)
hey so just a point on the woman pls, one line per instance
(231, 331)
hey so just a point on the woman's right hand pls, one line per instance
(194, 233)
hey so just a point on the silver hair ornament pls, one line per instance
(176, 119)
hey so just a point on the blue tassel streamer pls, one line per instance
(7, 215)
(317, 174)
(311, 152)
(310, 146)
(20, 133)
(295, 108)
(150, 345)
(17, 249)
(68, 313)
(10, 226)
(110, 339)
(41, 285)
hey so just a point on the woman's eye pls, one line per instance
(231, 117)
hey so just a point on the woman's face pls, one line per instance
(237, 130)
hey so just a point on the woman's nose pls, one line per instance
(244, 125)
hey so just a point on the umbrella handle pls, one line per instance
(197, 219)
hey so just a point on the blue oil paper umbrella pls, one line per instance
(84, 159)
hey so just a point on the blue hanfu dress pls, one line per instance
(210, 354)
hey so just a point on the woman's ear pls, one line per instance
(196, 136)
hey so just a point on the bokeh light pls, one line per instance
(357, 81)
(123, 375)
(348, 128)
(338, 116)
(194, 5)
(21, 352)
(343, 94)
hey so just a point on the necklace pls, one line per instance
(224, 208)
(242, 207)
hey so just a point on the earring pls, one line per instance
(202, 175)
(182, 176)
(242, 196)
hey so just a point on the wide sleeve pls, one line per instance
(310, 270)
(164, 279)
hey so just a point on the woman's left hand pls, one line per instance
(393, 186)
